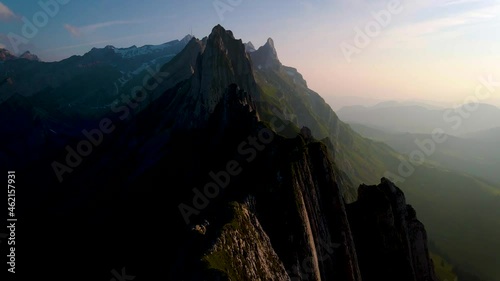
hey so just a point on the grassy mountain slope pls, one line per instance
(477, 157)
(363, 160)
(456, 207)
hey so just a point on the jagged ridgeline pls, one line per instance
(230, 169)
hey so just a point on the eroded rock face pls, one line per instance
(243, 250)
(303, 219)
(308, 225)
(422, 264)
(390, 242)
(206, 68)
(266, 56)
(223, 62)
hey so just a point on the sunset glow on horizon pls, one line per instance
(430, 50)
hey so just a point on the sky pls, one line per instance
(369, 49)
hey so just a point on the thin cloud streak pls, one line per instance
(458, 2)
(87, 29)
(414, 34)
(73, 30)
(6, 13)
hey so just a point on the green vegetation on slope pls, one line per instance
(363, 160)
(444, 270)
(470, 156)
(460, 212)
(461, 217)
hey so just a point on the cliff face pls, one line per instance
(387, 232)
(304, 214)
(302, 218)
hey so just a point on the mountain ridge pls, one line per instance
(6, 55)
(216, 107)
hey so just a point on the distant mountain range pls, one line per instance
(476, 154)
(458, 121)
(339, 102)
(5, 55)
(99, 75)
(489, 136)
(471, 151)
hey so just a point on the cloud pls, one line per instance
(94, 27)
(456, 2)
(87, 29)
(6, 14)
(451, 26)
(73, 30)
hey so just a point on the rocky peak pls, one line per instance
(306, 133)
(99, 55)
(217, 72)
(249, 47)
(5, 55)
(29, 56)
(219, 31)
(266, 56)
(186, 39)
(270, 45)
(223, 62)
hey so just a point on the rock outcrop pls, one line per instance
(303, 219)
(266, 56)
(5, 55)
(390, 242)
(243, 250)
(29, 56)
